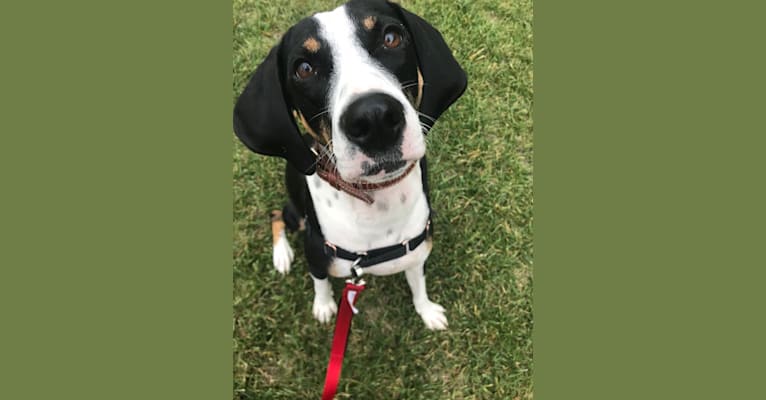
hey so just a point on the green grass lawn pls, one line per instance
(480, 161)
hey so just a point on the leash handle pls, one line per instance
(342, 326)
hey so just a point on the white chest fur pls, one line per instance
(399, 213)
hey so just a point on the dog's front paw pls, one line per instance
(283, 254)
(324, 309)
(432, 314)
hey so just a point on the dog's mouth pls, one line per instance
(386, 167)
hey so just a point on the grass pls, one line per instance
(480, 157)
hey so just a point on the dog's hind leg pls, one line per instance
(283, 254)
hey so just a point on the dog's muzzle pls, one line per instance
(374, 122)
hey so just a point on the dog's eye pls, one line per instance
(392, 39)
(304, 70)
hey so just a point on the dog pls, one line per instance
(366, 81)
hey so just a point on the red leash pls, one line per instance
(342, 325)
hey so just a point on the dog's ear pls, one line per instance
(263, 121)
(444, 79)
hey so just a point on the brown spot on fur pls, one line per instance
(369, 23)
(306, 125)
(312, 45)
(277, 226)
(324, 130)
(275, 215)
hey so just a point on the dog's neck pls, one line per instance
(398, 213)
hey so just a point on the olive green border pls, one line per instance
(649, 194)
(115, 165)
(115, 268)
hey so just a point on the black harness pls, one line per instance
(376, 256)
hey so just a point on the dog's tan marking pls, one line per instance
(312, 45)
(277, 226)
(325, 130)
(369, 23)
(306, 126)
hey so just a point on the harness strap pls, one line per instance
(379, 255)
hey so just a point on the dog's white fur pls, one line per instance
(283, 254)
(324, 302)
(399, 213)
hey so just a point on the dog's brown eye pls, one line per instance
(304, 70)
(392, 39)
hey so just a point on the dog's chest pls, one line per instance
(399, 213)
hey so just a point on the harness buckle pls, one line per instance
(331, 246)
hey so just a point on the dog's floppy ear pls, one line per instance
(444, 79)
(262, 118)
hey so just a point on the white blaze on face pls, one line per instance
(356, 73)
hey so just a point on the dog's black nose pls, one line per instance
(374, 121)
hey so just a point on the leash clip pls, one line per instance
(357, 271)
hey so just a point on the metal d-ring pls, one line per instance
(356, 270)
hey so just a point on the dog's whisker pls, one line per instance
(325, 111)
(427, 116)
(324, 152)
(428, 134)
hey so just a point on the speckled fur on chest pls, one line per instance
(398, 213)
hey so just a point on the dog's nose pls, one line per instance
(373, 121)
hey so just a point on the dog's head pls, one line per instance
(368, 77)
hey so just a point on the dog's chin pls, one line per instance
(382, 167)
(372, 172)
(388, 165)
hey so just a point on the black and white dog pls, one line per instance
(366, 81)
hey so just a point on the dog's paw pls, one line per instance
(283, 255)
(432, 314)
(324, 309)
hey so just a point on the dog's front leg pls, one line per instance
(432, 313)
(324, 302)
